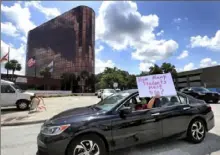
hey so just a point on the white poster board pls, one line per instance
(161, 84)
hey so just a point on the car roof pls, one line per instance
(6, 82)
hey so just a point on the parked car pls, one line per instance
(113, 123)
(12, 95)
(96, 93)
(202, 93)
(99, 93)
(107, 92)
(117, 90)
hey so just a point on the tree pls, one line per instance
(72, 78)
(143, 73)
(155, 70)
(45, 72)
(83, 77)
(91, 82)
(169, 68)
(13, 65)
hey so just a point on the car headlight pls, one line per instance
(54, 130)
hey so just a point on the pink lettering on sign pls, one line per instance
(156, 84)
(143, 80)
(158, 77)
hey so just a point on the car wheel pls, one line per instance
(196, 131)
(23, 105)
(86, 145)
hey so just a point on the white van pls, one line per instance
(12, 95)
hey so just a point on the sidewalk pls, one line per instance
(12, 117)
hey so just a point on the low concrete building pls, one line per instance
(207, 77)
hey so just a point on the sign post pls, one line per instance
(115, 84)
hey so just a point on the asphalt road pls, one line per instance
(21, 140)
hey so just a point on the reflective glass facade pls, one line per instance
(68, 40)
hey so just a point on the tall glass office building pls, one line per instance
(67, 42)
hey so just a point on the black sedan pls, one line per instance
(114, 123)
(202, 93)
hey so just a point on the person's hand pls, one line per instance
(157, 96)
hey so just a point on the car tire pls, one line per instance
(196, 131)
(23, 105)
(90, 143)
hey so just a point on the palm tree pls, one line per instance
(168, 68)
(155, 70)
(13, 65)
(83, 77)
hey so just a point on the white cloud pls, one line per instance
(144, 66)
(207, 62)
(184, 54)
(179, 69)
(160, 33)
(99, 49)
(23, 39)
(177, 20)
(19, 16)
(9, 29)
(131, 29)
(101, 65)
(48, 12)
(189, 66)
(156, 50)
(212, 43)
(15, 53)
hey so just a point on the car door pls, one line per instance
(8, 95)
(137, 127)
(175, 116)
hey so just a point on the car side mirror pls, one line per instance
(125, 111)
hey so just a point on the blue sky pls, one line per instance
(129, 35)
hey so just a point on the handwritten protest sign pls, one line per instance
(160, 84)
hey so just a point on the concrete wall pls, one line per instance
(59, 93)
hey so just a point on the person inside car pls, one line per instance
(147, 103)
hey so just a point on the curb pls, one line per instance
(23, 123)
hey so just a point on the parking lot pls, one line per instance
(21, 140)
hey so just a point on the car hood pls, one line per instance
(75, 115)
(28, 93)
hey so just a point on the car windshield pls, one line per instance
(111, 101)
(200, 89)
(109, 91)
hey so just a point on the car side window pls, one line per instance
(132, 103)
(183, 99)
(7, 89)
(170, 101)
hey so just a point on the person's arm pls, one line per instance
(152, 101)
